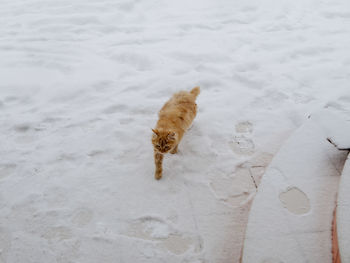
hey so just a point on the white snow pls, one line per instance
(291, 216)
(81, 83)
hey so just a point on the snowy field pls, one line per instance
(81, 83)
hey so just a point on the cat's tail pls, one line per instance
(195, 91)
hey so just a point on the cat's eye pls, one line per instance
(166, 147)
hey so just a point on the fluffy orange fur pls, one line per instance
(175, 117)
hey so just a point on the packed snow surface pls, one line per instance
(80, 86)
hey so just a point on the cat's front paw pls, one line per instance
(158, 176)
(173, 151)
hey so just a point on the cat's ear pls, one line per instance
(155, 132)
(171, 135)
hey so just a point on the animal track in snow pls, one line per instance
(310, 52)
(134, 60)
(244, 127)
(60, 233)
(102, 86)
(246, 67)
(332, 15)
(124, 121)
(7, 169)
(236, 190)
(115, 109)
(150, 228)
(269, 97)
(247, 80)
(98, 153)
(67, 157)
(301, 98)
(11, 99)
(249, 9)
(167, 238)
(82, 217)
(22, 128)
(127, 6)
(241, 144)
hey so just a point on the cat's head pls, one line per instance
(163, 141)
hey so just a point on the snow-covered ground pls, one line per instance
(80, 86)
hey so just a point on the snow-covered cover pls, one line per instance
(343, 213)
(337, 127)
(81, 82)
(292, 213)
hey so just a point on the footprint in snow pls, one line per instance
(57, 233)
(82, 217)
(115, 109)
(166, 237)
(244, 127)
(241, 144)
(239, 188)
(235, 190)
(7, 169)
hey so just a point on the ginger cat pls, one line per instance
(175, 117)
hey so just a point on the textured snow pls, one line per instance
(80, 86)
